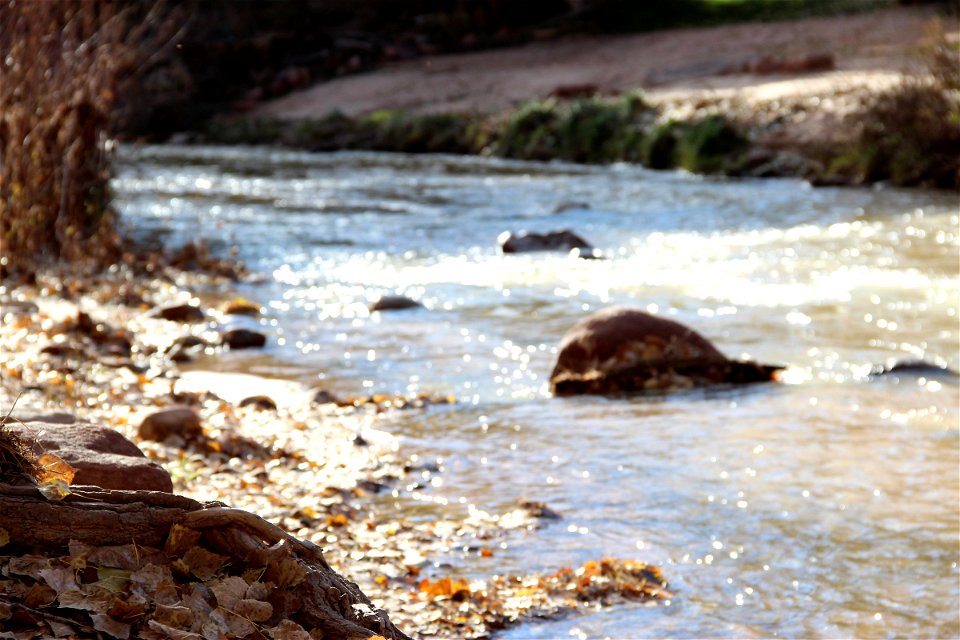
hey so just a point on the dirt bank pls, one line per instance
(868, 50)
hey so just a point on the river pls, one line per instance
(827, 506)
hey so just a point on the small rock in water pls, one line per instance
(538, 509)
(570, 205)
(183, 422)
(394, 303)
(587, 254)
(322, 396)
(262, 403)
(914, 368)
(243, 339)
(552, 241)
(182, 313)
(242, 307)
(186, 348)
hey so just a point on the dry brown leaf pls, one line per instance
(257, 591)
(4, 537)
(61, 579)
(215, 626)
(255, 610)
(109, 626)
(176, 616)
(29, 566)
(286, 572)
(202, 563)
(290, 630)
(127, 610)
(155, 582)
(97, 600)
(229, 591)
(125, 556)
(39, 595)
(173, 634)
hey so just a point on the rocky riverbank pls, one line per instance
(843, 100)
(107, 350)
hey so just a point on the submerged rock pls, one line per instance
(261, 403)
(552, 241)
(619, 350)
(242, 307)
(587, 254)
(243, 339)
(394, 303)
(182, 313)
(99, 456)
(186, 348)
(914, 368)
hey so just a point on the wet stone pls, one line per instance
(262, 403)
(322, 396)
(621, 350)
(394, 303)
(527, 241)
(243, 339)
(182, 313)
(242, 307)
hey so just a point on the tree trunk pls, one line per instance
(315, 597)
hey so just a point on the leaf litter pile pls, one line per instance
(309, 469)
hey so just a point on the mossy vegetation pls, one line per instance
(909, 134)
(906, 136)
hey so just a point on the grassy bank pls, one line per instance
(905, 136)
(588, 130)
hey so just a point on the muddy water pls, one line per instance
(825, 507)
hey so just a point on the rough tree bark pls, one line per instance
(99, 517)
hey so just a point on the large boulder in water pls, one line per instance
(619, 350)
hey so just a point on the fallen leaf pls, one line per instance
(286, 572)
(202, 563)
(180, 540)
(55, 468)
(114, 628)
(229, 591)
(290, 630)
(173, 616)
(254, 610)
(54, 490)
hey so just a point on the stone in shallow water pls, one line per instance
(394, 303)
(243, 339)
(182, 313)
(620, 350)
(526, 241)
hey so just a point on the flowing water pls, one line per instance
(823, 507)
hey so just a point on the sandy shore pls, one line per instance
(869, 51)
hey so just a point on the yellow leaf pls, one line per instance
(4, 537)
(338, 520)
(55, 489)
(55, 468)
